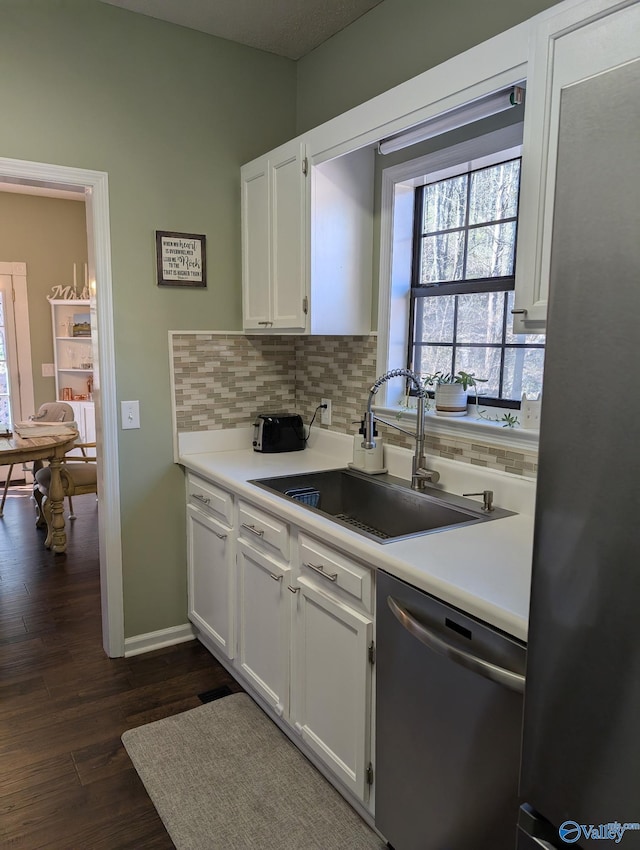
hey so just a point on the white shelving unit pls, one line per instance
(73, 363)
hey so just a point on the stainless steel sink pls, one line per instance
(383, 508)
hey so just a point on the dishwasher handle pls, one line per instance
(508, 678)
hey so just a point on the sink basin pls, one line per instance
(383, 508)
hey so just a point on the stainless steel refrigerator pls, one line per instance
(580, 773)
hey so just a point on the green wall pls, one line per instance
(395, 41)
(170, 114)
(49, 235)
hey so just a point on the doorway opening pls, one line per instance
(94, 184)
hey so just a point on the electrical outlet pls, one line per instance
(325, 413)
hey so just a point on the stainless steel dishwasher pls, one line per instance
(448, 725)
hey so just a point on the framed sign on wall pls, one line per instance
(181, 259)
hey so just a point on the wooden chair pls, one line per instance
(50, 411)
(79, 476)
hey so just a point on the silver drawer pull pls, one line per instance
(320, 570)
(220, 536)
(293, 589)
(200, 498)
(259, 532)
(266, 324)
(275, 577)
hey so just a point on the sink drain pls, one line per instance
(362, 526)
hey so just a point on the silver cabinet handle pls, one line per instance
(266, 324)
(200, 498)
(218, 535)
(511, 680)
(320, 570)
(519, 311)
(293, 589)
(259, 532)
(275, 577)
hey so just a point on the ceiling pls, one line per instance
(290, 28)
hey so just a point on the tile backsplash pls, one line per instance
(224, 380)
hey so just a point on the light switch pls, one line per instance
(48, 370)
(130, 412)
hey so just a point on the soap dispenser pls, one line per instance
(367, 460)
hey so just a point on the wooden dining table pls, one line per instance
(15, 449)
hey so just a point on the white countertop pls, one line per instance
(483, 569)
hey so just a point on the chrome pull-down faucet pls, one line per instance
(420, 475)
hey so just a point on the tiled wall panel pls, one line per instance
(222, 381)
(339, 368)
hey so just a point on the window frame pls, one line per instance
(398, 182)
(471, 286)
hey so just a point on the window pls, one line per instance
(462, 281)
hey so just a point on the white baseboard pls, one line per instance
(156, 640)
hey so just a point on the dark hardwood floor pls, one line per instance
(66, 781)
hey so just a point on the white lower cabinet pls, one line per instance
(84, 413)
(211, 563)
(332, 652)
(210, 578)
(331, 684)
(264, 625)
(299, 614)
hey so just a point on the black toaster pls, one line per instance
(278, 432)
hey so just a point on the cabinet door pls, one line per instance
(256, 251)
(79, 418)
(85, 418)
(274, 252)
(211, 590)
(288, 236)
(585, 40)
(331, 684)
(264, 613)
(89, 413)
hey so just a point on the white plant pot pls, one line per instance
(451, 400)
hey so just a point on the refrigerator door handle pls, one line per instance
(508, 678)
(542, 843)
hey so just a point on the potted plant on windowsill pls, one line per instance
(451, 391)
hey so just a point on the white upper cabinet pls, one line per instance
(274, 191)
(288, 185)
(580, 41)
(307, 243)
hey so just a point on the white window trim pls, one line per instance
(396, 233)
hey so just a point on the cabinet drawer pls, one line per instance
(263, 530)
(210, 499)
(333, 569)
